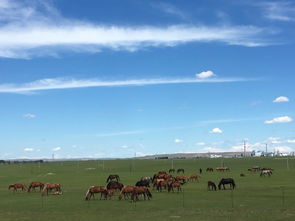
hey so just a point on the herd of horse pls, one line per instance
(43, 188)
(160, 181)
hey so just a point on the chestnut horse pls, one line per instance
(96, 189)
(35, 184)
(209, 169)
(140, 190)
(17, 186)
(126, 192)
(173, 185)
(193, 177)
(48, 187)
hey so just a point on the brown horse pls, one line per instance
(171, 171)
(180, 170)
(173, 185)
(36, 184)
(209, 169)
(140, 190)
(113, 177)
(181, 178)
(17, 186)
(162, 184)
(211, 185)
(193, 177)
(222, 169)
(96, 189)
(126, 192)
(48, 187)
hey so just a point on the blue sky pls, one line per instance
(114, 78)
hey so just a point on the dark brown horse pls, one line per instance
(211, 185)
(96, 189)
(171, 171)
(113, 177)
(17, 186)
(115, 185)
(180, 170)
(209, 169)
(36, 184)
(48, 187)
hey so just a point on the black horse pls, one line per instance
(229, 181)
(145, 183)
(115, 185)
(211, 185)
(113, 177)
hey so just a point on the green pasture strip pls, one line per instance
(255, 198)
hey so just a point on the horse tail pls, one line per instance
(87, 194)
(149, 193)
(43, 190)
(219, 185)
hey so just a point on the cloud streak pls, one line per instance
(29, 30)
(63, 83)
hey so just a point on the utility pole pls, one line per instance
(266, 149)
(244, 148)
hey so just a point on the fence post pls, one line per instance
(283, 197)
(232, 198)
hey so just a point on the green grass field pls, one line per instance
(255, 198)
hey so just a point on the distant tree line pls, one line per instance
(20, 161)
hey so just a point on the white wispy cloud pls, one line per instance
(29, 30)
(200, 143)
(281, 99)
(29, 116)
(177, 140)
(56, 149)
(205, 74)
(283, 119)
(28, 149)
(64, 83)
(216, 131)
(280, 10)
(120, 133)
(171, 10)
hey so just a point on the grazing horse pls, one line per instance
(181, 178)
(173, 185)
(162, 184)
(209, 169)
(115, 185)
(171, 171)
(266, 173)
(193, 177)
(126, 192)
(35, 184)
(229, 181)
(17, 186)
(96, 189)
(48, 187)
(113, 177)
(211, 186)
(145, 183)
(180, 170)
(140, 190)
(242, 175)
(222, 169)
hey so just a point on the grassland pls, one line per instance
(256, 198)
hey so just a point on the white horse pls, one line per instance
(266, 173)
